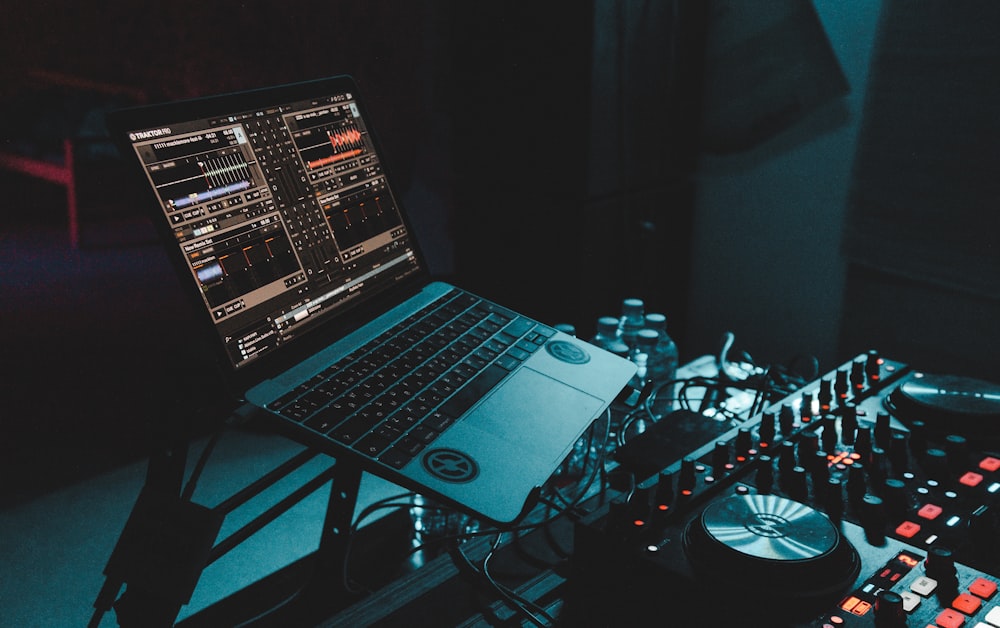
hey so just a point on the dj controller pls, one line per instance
(868, 498)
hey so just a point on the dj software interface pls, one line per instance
(281, 213)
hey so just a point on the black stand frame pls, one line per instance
(169, 540)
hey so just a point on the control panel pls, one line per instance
(869, 497)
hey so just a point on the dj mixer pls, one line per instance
(869, 497)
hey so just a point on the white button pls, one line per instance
(993, 617)
(924, 585)
(910, 601)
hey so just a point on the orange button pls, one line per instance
(989, 463)
(966, 603)
(971, 478)
(983, 588)
(907, 529)
(929, 511)
(949, 619)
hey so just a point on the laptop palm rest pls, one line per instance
(523, 448)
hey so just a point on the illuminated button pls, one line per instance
(862, 608)
(949, 618)
(929, 511)
(983, 588)
(971, 478)
(850, 603)
(989, 463)
(968, 604)
(910, 601)
(923, 586)
(993, 617)
(907, 529)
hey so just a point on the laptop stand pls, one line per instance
(169, 540)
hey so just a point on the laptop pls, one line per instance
(278, 213)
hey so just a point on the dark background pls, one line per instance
(674, 151)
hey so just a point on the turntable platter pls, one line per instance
(948, 404)
(770, 528)
(769, 541)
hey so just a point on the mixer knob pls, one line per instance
(720, 457)
(883, 430)
(786, 457)
(936, 464)
(849, 424)
(876, 466)
(664, 495)
(863, 442)
(824, 395)
(889, 611)
(873, 366)
(896, 501)
(765, 474)
(957, 449)
(806, 409)
(768, 424)
(794, 483)
(840, 385)
(856, 484)
(808, 444)
(617, 522)
(940, 565)
(820, 468)
(873, 519)
(744, 443)
(830, 438)
(786, 420)
(686, 481)
(833, 499)
(638, 505)
(918, 438)
(858, 376)
(898, 457)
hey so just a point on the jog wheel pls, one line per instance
(948, 404)
(770, 548)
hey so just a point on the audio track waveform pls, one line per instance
(340, 144)
(199, 178)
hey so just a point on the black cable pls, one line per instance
(515, 602)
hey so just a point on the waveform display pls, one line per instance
(242, 261)
(362, 216)
(195, 179)
(322, 147)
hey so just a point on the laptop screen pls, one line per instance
(281, 211)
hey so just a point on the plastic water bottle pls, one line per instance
(632, 320)
(645, 345)
(607, 336)
(662, 362)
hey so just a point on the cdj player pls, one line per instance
(869, 498)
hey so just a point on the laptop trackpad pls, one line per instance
(512, 414)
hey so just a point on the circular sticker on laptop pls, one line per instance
(567, 352)
(450, 465)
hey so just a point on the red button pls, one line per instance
(907, 529)
(949, 619)
(989, 463)
(983, 588)
(971, 478)
(929, 511)
(966, 603)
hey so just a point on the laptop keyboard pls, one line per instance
(398, 393)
